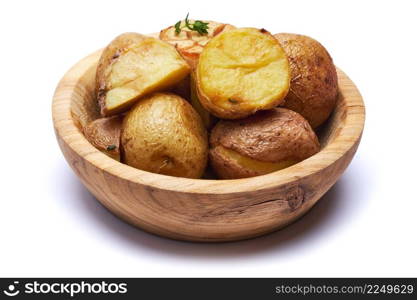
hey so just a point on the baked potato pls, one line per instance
(163, 134)
(262, 143)
(190, 43)
(183, 88)
(241, 71)
(208, 119)
(313, 88)
(132, 66)
(104, 134)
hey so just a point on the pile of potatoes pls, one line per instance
(236, 102)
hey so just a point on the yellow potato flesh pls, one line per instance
(245, 67)
(253, 164)
(147, 67)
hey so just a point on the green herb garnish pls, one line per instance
(111, 147)
(178, 27)
(199, 26)
(233, 101)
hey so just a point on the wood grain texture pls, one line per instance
(202, 209)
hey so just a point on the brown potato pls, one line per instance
(208, 119)
(104, 134)
(313, 88)
(183, 88)
(241, 71)
(190, 43)
(262, 143)
(163, 134)
(134, 65)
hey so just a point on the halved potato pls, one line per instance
(190, 43)
(163, 134)
(262, 143)
(134, 65)
(241, 71)
(104, 134)
(313, 89)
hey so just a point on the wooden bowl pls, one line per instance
(202, 209)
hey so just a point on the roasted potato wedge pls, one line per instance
(163, 134)
(241, 71)
(134, 65)
(190, 43)
(262, 143)
(313, 88)
(104, 134)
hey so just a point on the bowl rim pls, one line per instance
(67, 131)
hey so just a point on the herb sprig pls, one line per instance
(199, 26)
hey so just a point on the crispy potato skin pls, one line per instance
(104, 134)
(208, 119)
(313, 88)
(242, 71)
(163, 134)
(276, 138)
(190, 43)
(135, 65)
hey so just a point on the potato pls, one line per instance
(104, 134)
(313, 89)
(241, 71)
(208, 119)
(163, 134)
(183, 88)
(262, 143)
(132, 66)
(190, 43)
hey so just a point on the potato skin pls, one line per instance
(183, 88)
(132, 66)
(104, 134)
(189, 43)
(163, 134)
(241, 71)
(279, 136)
(313, 88)
(208, 119)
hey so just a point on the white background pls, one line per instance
(51, 226)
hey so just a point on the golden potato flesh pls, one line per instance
(190, 43)
(163, 134)
(104, 134)
(313, 88)
(262, 143)
(242, 71)
(133, 66)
